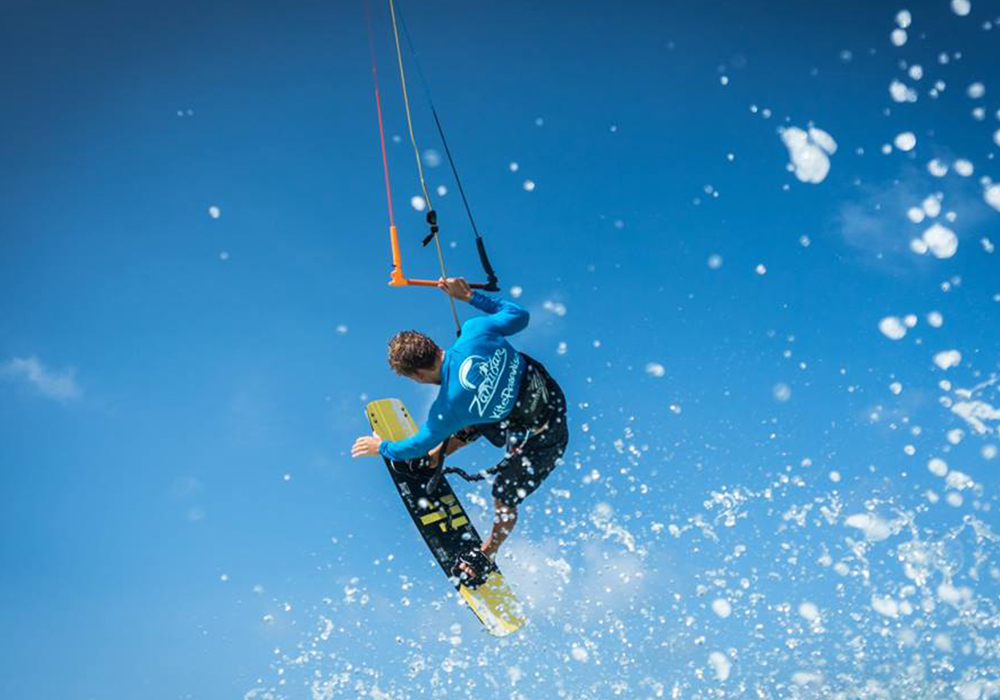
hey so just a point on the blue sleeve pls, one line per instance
(505, 317)
(430, 435)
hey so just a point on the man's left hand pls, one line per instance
(366, 446)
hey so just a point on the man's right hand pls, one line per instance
(455, 287)
(366, 445)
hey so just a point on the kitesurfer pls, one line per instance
(488, 389)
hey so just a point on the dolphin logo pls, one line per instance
(475, 365)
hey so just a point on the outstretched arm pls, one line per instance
(369, 446)
(426, 440)
(505, 317)
(429, 436)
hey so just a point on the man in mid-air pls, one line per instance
(488, 389)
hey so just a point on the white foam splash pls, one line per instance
(892, 328)
(948, 359)
(809, 152)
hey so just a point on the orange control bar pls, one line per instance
(398, 279)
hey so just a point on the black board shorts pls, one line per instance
(523, 468)
(530, 456)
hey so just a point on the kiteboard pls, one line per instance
(443, 523)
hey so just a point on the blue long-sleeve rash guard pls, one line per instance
(480, 378)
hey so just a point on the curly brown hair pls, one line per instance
(410, 351)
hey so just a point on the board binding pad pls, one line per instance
(443, 523)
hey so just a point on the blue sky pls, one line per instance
(764, 489)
